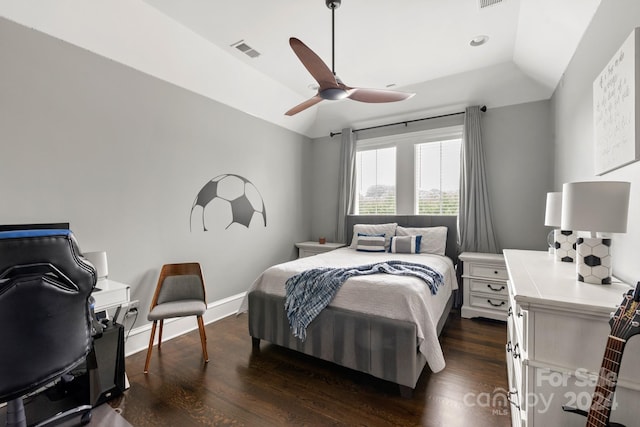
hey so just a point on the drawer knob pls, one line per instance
(501, 288)
(496, 304)
(495, 272)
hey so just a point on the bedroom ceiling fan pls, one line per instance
(330, 85)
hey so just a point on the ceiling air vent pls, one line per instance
(246, 49)
(487, 3)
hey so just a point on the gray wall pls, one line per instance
(572, 105)
(121, 156)
(518, 148)
(518, 145)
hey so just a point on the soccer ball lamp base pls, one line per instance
(594, 260)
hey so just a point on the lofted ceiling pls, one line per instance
(420, 46)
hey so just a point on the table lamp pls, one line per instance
(597, 207)
(561, 242)
(99, 261)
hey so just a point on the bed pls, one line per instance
(389, 334)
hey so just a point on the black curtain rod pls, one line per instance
(406, 122)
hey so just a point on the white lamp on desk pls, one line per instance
(562, 242)
(99, 261)
(595, 207)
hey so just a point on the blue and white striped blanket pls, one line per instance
(309, 292)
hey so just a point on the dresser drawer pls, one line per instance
(518, 319)
(488, 287)
(488, 271)
(496, 302)
(515, 390)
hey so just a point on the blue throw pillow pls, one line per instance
(405, 244)
(370, 242)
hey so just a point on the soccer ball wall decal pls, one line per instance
(233, 198)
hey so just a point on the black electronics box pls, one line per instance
(105, 365)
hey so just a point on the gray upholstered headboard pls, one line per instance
(451, 222)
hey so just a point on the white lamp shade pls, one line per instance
(596, 206)
(99, 261)
(553, 212)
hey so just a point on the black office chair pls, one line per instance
(45, 317)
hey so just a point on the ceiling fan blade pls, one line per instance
(378, 95)
(312, 62)
(303, 106)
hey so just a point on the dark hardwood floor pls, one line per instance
(279, 387)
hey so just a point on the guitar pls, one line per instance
(625, 323)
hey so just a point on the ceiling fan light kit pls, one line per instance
(330, 86)
(333, 93)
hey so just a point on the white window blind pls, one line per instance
(411, 173)
(376, 181)
(437, 174)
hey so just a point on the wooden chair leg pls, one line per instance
(160, 333)
(150, 349)
(203, 339)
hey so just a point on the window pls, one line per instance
(376, 181)
(438, 177)
(412, 173)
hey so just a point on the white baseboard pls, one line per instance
(138, 339)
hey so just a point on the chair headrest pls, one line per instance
(17, 234)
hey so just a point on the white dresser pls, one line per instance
(557, 332)
(484, 285)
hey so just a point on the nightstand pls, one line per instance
(306, 249)
(484, 279)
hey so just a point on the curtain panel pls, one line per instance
(347, 181)
(474, 219)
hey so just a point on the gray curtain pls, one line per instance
(347, 181)
(474, 218)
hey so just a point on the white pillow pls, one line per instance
(387, 229)
(434, 239)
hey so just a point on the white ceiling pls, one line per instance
(420, 46)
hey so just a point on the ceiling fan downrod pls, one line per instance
(333, 5)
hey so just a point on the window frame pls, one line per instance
(406, 200)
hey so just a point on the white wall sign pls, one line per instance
(616, 109)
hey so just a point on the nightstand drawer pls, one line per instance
(498, 303)
(488, 287)
(488, 271)
(306, 249)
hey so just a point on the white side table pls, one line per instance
(484, 279)
(306, 249)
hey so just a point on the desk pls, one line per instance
(110, 294)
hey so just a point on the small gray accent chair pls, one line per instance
(180, 292)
